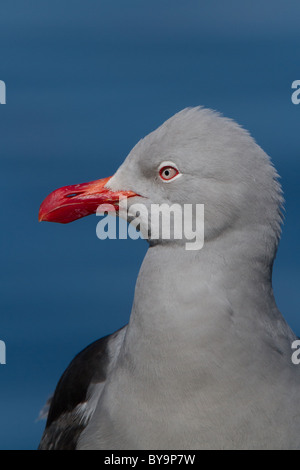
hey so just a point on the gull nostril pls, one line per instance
(72, 195)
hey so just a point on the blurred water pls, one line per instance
(85, 81)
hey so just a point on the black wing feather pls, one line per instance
(63, 426)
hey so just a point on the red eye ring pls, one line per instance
(167, 173)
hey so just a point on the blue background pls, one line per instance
(85, 81)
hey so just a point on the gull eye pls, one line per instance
(167, 173)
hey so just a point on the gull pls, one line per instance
(205, 360)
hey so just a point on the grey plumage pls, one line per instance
(205, 362)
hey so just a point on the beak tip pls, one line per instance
(41, 215)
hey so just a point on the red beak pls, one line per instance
(74, 202)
